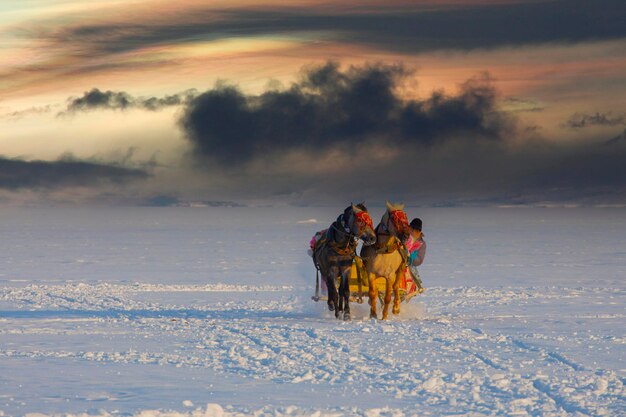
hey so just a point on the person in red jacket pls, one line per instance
(416, 246)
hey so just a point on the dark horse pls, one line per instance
(334, 254)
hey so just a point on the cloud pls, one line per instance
(582, 120)
(77, 46)
(37, 110)
(95, 99)
(406, 27)
(19, 174)
(351, 134)
(157, 103)
(330, 108)
(517, 104)
(617, 140)
(461, 26)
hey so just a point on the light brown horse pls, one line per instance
(387, 258)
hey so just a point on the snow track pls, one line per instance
(159, 312)
(437, 362)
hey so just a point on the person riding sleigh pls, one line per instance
(416, 246)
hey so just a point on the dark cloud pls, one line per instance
(462, 26)
(157, 103)
(349, 134)
(119, 100)
(330, 108)
(96, 99)
(582, 120)
(411, 28)
(19, 174)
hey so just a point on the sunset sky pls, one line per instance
(313, 102)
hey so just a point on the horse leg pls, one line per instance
(337, 302)
(332, 294)
(344, 294)
(373, 294)
(340, 306)
(387, 299)
(343, 289)
(396, 293)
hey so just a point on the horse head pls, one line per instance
(397, 222)
(361, 224)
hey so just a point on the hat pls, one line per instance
(416, 224)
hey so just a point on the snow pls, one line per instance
(207, 312)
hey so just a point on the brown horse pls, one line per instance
(388, 258)
(333, 255)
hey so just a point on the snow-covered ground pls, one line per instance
(207, 311)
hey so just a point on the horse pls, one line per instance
(333, 255)
(388, 258)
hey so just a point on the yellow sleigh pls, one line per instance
(359, 285)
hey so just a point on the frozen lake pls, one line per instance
(161, 311)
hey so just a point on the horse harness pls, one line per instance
(341, 254)
(393, 244)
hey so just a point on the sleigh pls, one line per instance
(359, 285)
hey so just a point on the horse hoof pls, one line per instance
(373, 316)
(346, 317)
(331, 308)
(396, 312)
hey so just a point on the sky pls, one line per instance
(477, 102)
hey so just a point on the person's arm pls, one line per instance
(412, 256)
(420, 255)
